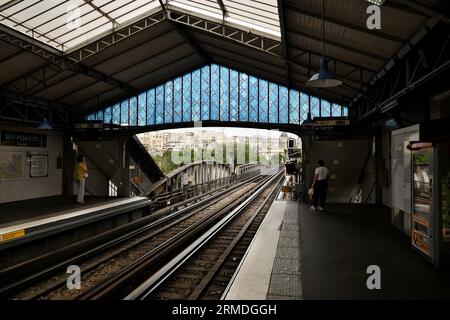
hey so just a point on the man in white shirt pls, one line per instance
(320, 185)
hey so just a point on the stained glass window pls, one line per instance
(325, 108)
(294, 107)
(142, 109)
(243, 97)
(263, 101)
(177, 99)
(315, 107)
(215, 92)
(159, 104)
(187, 98)
(196, 95)
(91, 116)
(283, 105)
(234, 96)
(151, 107)
(168, 106)
(205, 96)
(224, 94)
(253, 99)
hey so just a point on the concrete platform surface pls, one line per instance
(12, 213)
(253, 278)
(337, 247)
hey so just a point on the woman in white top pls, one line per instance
(320, 185)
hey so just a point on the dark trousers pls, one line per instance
(320, 193)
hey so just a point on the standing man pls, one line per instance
(320, 185)
(81, 175)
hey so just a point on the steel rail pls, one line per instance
(214, 270)
(152, 283)
(190, 210)
(154, 258)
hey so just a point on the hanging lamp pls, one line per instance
(324, 78)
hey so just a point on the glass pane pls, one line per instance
(124, 112)
(205, 93)
(215, 92)
(336, 110)
(253, 99)
(243, 97)
(263, 101)
(224, 94)
(294, 107)
(345, 111)
(133, 112)
(107, 116)
(116, 114)
(99, 115)
(258, 15)
(283, 105)
(142, 109)
(196, 95)
(168, 107)
(304, 106)
(234, 96)
(91, 116)
(273, 103)
(187, 98)
(325, 108)
(151, 107)
(177, 99)
(315, 107)
(159, 104)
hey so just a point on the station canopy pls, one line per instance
(87, 54)
(65, 25)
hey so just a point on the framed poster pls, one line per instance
(38, 165)
(12, 165)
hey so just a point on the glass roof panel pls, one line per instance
(257, 15)
(67, 24)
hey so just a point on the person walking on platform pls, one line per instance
(81, 175)
(320, 185)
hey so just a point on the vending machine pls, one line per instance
(422, 219)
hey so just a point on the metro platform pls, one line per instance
(325, 255)
(37, 217)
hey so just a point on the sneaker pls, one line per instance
(320, 209)
(312, 208)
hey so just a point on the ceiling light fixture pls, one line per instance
(45, 125)
(324, 78)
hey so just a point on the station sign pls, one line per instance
(336, 122)
(96, 125)
(324, 133)
(23, 139)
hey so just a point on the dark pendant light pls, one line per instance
(325, 78)
(45, 125)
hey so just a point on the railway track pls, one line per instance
(204, 270)
(107, 261)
